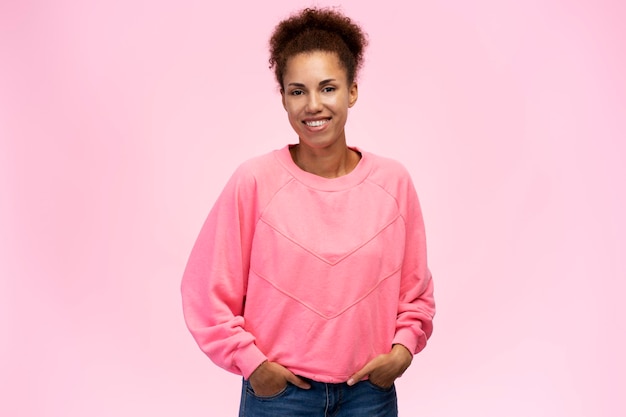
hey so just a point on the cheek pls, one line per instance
(292, 114)
(291, 107)
(293, 117)
(340, 103)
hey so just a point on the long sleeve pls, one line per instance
(416, 307)
(215, 280)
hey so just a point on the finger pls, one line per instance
(359, 375)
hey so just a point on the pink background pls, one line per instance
(120, 122)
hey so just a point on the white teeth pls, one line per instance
(316, 123)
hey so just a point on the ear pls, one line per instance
(353, 94)
(282, 97)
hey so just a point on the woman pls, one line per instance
(309, 276)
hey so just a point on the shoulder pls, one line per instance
(387, 171)
(261, 176)
(258, 167)
(393, 177)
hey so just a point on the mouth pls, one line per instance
(316, 123)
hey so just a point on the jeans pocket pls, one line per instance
(266, 397)
(378, 387)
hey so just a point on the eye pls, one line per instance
(296, 92)
(328, 89)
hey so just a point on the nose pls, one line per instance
(314, 103)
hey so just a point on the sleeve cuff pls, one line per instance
(407, 338)
(249, 358)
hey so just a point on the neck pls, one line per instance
(327, 163)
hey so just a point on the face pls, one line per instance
(317, 97)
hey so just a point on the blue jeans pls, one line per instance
(322, 400)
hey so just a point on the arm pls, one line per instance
(215, 279)
(416, 306)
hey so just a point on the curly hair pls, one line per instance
(317, 29)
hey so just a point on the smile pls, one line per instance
(316, 123)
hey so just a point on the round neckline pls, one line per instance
(352, 178)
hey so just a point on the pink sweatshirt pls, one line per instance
(320, 275)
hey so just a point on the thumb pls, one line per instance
(297, 381)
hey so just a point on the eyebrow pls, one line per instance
(320, 83)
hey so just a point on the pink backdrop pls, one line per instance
(120, 121)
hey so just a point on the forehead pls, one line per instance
(314, 66)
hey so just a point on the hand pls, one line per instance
(270, 378)
(384, 369)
